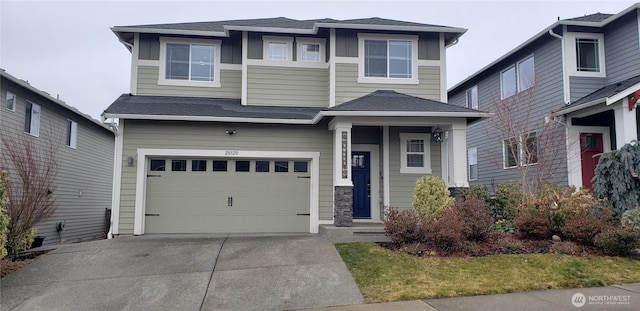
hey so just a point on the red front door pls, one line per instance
(590, 145)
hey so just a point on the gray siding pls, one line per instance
(429, 46)
(230, 81)
(401, 185)
(622, 49)
(149, 47)
(288, 86)
(88, 168)
(583, 86)
(347, 44)
(172, 135)
(254, 45)
(231, 49)
(348, 88)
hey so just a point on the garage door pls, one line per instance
(227, 195)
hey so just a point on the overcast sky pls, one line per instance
(67, 47)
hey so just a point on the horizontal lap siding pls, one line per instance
(230, 81)
(211, 136)
(348, 88)
(287, 86)
(583, 86)
(622, 49)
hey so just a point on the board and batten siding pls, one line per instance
(622, 48)
(230, 81)
(348, 88)
(288, 86)
(84, 179)
(402, 185)
(212, 136)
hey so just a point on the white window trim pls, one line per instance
(471, 105)
(504, 153)
(14, 101)
(570, 48)
(301, 41)
(519, 87)
(277, 39)
(73, 143)
(520, 159)
(469, 163)
(35, 129)
(427, 153)
(414, 61)
(502, 81)
(163, 64)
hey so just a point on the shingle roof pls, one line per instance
(128, 104)
(597, 17)
(607, 91)
(384, 100)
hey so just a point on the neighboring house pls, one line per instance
(280, 125)
(579, 73)
(85, 158)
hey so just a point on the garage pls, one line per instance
(217, 195)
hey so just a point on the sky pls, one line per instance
(66, 48)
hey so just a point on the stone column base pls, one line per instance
(343, 201)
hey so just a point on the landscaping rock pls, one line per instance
(556, 238)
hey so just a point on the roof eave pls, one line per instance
(592, 103)
(207, 118)
(405, 114)
(393, 27)
(272, 29)
(170, 31)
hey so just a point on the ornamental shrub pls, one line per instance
(448, 231)
(431, 196)
(617, 178)
(506, 200)
(631, 219)
(474, 213)
(583, 227)
(533, 223)
(403, 226)
(617, 242)
(4, 219)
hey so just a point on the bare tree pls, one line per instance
(32, 165)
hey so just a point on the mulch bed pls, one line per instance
(498, 243)
(8, 265)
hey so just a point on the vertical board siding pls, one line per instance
(622, 48)
(148, 85)
(288, 86)
(583, 86)
(348, 88)
(88, 168)
(188, 135)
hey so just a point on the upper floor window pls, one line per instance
(585, 54)
(526, 74)
(472, 97)
(388, 59)
(277, 48)
(32, 119)
(72, 134)
(415, 153)
(10, 101)
(518, 77)
(278, 51)
(587, 58)
(189, 62)
(310, 52)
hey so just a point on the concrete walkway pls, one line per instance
(617, 298)
(184, 272)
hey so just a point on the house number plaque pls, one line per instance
(344, 155)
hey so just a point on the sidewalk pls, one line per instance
(617, 297)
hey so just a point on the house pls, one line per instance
(580, 76)
(84, 157)
(281, 125)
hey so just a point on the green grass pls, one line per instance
(383, 275)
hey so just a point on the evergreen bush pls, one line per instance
(431, 196)
(631, 219)
(617, 178)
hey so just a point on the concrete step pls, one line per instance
(364, 232)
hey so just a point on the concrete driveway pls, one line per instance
(184, 272)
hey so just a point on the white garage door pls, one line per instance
(227, 195)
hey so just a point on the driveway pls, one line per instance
(184, 272)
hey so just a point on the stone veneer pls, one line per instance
(343, 201)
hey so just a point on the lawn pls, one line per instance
(383, 275)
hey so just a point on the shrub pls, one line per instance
(504, 226)
(533, 223)
(403, 226)
(583, 227)
(448, 231)
(474, 213)
(506, 200)
(4, 219)
(617, 242)
(616, 178)
(431, 196)
(631, 219)
(477, 191)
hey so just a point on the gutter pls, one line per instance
(582, 106)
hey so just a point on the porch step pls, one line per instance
(359, 232)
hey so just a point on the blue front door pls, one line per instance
(361, 177)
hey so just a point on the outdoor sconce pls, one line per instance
(230, 132)
(129, 161)
(437, 135)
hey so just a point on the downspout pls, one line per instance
(114, 183)
(565, 79)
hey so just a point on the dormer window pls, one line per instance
(585, 54)
(189, 62)
(388, 59)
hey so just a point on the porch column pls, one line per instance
(626, 123)
(342, 184)
(456, 143)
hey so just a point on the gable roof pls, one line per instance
(380, 101)
(52, 99)
(607, 94)
(593, 20)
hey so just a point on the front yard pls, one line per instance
(384, 275)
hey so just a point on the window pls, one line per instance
(300, 167)
(310, 52)
(32, 119)
(157, 165)
(72, 134)
(198, 165)
(219, 166)
(242, 166)
(277, 48)
(472, 154)
(526, 74)
(278, 51)
(189, 62)
(388, 59)
(415, 153)
(521, 150)
(587, 58)
(281, 166)
(518, 77)
(179, 165)
(10, 101)
(508, 82)
(262, 166)
(472, 98)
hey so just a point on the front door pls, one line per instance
(590, 146)
(361, 177)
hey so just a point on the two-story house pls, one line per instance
(37, 126)
(281, 125)
(580, 76)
